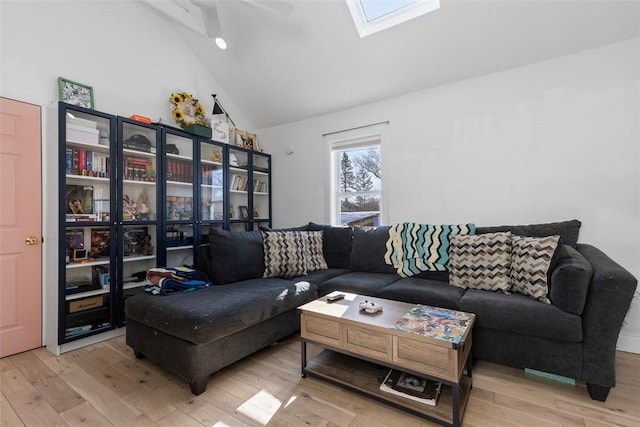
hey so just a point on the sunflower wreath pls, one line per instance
(187, 110)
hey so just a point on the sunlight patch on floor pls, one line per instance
(291, 400)
(260, 407)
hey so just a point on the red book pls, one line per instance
(82, 160)
(76, 165)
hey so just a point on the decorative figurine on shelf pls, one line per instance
(143, 200)
(129, 208)
(217, 156)
(146, 248)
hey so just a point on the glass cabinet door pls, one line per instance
(261, 200)
(179, 212)
(240, 189)
(138, 204)
(211, 187)
(86, 210)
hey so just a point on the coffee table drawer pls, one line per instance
(423, 357)
(367, 342)
(321, 330)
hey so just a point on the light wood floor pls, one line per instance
(104, 385)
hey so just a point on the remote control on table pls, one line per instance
(334, 298)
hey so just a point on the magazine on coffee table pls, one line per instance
(412, 387)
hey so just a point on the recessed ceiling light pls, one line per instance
(221, 43)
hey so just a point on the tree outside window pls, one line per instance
(359, 177)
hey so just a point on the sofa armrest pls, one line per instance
(610, 293)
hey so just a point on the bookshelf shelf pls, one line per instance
(81, 295)
(87, 264)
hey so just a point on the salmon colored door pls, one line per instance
(20, 227)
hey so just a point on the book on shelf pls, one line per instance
(75, 239)
(79, 199)
(100, 241)
(412, 387)
(179, 207)
(80, 161)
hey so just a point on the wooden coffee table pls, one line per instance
(355, 344)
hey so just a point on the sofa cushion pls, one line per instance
(235, 256)
(480, 261)
(321, 276)
(567, 230)
(369, 247)
(215, 312)
(336, 244)
(423, 291)
(530, 262)
(284, 254)
(522, 315)
(358, 283)
(570, 280)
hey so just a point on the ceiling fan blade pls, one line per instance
(190, 17)
(279, 6)
(210, 15)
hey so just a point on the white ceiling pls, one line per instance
(283, 68)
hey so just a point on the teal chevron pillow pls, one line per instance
(530, 262)
(480, 261)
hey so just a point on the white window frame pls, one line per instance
(368, 137)
(399, 16)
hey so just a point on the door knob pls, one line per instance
(31, 240)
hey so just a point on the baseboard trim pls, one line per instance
(629, 343)
(74, 345)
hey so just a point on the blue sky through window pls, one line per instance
(374, 9)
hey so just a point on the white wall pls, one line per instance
(547, 142)
(125, 50)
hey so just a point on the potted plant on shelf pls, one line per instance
(189, 114)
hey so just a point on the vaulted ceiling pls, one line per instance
(280, 68)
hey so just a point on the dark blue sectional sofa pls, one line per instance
(195, 334)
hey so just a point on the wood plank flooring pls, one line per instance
(105, 385)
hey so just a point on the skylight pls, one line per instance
(371, 16)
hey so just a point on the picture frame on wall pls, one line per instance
(246, 140)
(75, 93)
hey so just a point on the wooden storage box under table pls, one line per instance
(342, 327)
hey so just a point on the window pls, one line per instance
(371, 16)
(356, 184)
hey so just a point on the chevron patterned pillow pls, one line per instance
(480, 261)
(313, 255)
(292, 253)
(530, 261)
(284, 254)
